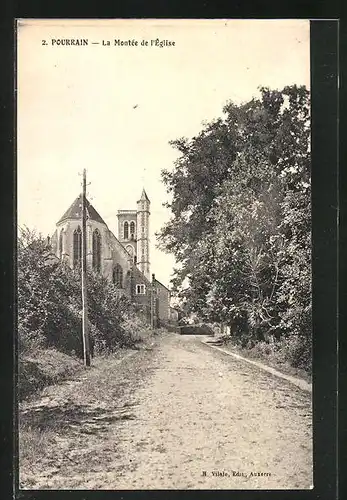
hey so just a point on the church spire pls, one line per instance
(144, 196)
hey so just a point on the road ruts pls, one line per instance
(201, 419)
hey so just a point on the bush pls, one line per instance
(50, 305)
(264, 348)
(297, 351)
(29, 340)
(134, 330)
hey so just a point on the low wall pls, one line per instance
(172, 327)
(201, 329)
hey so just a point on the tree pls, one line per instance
(240, 226)
(50, 305)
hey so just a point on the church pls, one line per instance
(124, 260)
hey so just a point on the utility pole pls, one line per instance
(85, 333)
(152, 301)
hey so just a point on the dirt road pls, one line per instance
(180, 416)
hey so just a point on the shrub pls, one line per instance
(297, 351)
(134, 330)
(29, 340)
(264, 348)
(50, 308)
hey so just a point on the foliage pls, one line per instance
(50, 304)
(240, 226)
(135, 331)
(42, 367)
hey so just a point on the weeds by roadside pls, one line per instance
(275, 354)
(77, 413)
(42, 367)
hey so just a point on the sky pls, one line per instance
(113, 109)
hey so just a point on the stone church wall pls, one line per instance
(117, 255)
(113, 253)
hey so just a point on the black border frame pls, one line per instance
(324, 105)
(324, 74)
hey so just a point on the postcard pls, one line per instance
(164, 254)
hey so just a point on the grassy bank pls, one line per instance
(43, 367)
(63, 426)
(268, 356)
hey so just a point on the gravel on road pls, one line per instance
(178, 416)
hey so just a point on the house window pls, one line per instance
(77, 246)
(132, 230)
(96, 250)
(140, 289)
(61, 242)
(126, 230)
(118, 276)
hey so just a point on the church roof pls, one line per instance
(75, 211)
(144, 196)
(167, 288)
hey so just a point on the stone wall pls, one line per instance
(163, 295)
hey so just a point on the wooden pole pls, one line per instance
(153, 297)
(85, 333)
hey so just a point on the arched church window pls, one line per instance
(132, 229)
(135, 260)
(96, 250)
(126, 230)
(130, 249)
(118, 276)
(61, 242)
(77, 246)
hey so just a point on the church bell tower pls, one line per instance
(143, 213)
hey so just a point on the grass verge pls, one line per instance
(44, 367)
(269, 359)
(64, 431)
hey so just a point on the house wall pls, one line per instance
(142, 300)
(163, 294)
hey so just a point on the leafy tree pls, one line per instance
(50, 303)
(240, 226)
